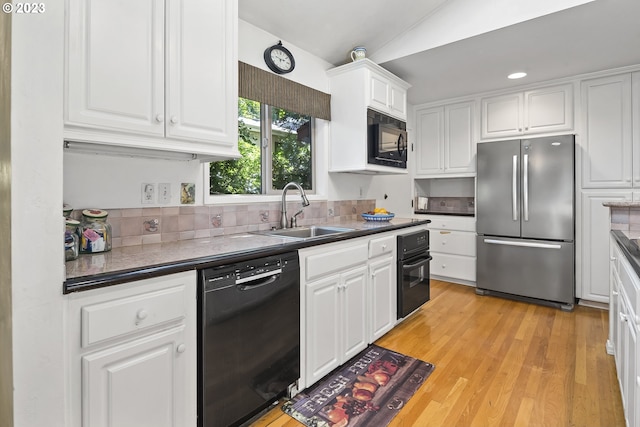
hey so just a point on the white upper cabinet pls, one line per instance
(354, 88)
(536, 111)
(607, 132)
(387, 97)
(445, 142)
(154, 74)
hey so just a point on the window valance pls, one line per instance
(260, 85)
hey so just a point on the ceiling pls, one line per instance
(599, 35)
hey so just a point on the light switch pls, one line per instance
(164, 193)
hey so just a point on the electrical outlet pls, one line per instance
(164, 193)
(148, 193)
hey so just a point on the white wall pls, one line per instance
(115, 182)
(37, 227)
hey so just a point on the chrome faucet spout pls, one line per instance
(305, 202)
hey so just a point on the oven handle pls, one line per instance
(420, 263)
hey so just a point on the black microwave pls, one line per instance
(387, 140)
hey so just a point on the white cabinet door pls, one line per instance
(614, 300)
(548, 109)
(635, 106)
(353, 306)
(138, 383)
(430, 141)
(115, 68)
(445, 143)
(594, 243)
(397, 101)
(606, 134)
(541, 110)
(384, 293)
(202, 77)
(502, 115)
(459, 143)
(323, 327)
(379, 92)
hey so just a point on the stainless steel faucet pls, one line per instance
(305, 202)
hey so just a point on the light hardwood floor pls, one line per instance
(502, 363)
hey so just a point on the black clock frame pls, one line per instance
(272, 66)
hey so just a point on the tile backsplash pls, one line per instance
(625, 219)
(141, 226)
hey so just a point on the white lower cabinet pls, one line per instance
(593, 243)
(349, 293)
(623, 336)
(452, 244)
(132, 354)
(335, 321)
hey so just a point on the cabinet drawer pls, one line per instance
(381, 246)
(121, 316)
(452, 223)
(333, 259)
(453, 242)
(631, 286)
(453, 266)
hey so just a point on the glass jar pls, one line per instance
(71, 239)
(95, 231)
(66, 210)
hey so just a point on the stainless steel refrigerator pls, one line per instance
(525, 206)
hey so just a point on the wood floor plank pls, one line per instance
(504, 363)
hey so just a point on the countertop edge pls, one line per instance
(628, 249)
(100, 280)
(621, 204)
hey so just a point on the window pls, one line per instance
(276, 146)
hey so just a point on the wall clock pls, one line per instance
(279, 59)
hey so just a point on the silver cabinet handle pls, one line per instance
(524, 244)
(525, 187)
(514, 189)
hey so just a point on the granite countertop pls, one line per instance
(628, 242)
(131, 263)
(621, 204)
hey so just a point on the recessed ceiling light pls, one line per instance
(518, 75)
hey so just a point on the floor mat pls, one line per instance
(368, 390)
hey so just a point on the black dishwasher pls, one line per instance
(249, 337)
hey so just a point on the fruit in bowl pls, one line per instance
(379, 211)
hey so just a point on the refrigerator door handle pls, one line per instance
(514, 189)
(525, 188)
(525, 244)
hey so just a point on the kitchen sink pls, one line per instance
(305, 232)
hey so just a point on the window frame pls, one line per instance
(266, 152)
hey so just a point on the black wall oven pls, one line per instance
(387, 140)
(413, 272)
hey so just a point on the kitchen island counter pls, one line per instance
(132, 263)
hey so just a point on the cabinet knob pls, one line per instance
(181, 348)
(613, 258)
(638, 319)
(614, 293)
(142, 314)
(384, 247)
(519, 129)
(174, 120)
(623, 317)
(444, 243)
(160, 118)
(444, 266)
(638, 380)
